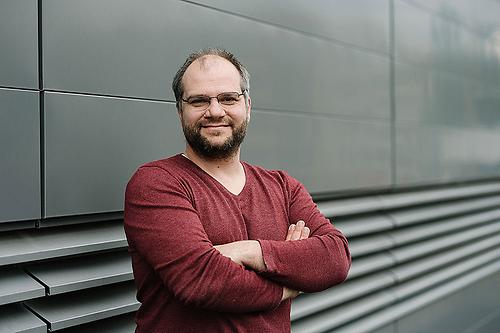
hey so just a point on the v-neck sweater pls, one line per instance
(174, 215)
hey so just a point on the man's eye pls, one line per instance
(228, 99)
(198, 101)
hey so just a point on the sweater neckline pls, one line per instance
(219, 184)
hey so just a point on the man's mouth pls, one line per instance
(215, 125)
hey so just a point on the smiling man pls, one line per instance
(217, 244)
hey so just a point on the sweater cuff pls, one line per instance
(269, 261)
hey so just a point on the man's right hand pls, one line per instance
(295, 232)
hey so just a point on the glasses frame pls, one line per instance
(216, 97)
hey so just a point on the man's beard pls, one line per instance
(208, 150)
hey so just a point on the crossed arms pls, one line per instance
(168, 242)
(248, 253)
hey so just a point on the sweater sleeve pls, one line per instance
(310, 265)
(165, 230)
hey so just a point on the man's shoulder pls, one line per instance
(166, 163)
(163, 169)
(280, 176)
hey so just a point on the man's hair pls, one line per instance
(177, 82)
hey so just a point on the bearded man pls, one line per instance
(217, 244)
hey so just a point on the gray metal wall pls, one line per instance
(356, 96)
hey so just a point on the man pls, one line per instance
(219, 245)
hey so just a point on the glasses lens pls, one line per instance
(229, 98)
(199, 101)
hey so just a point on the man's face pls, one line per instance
(217, 132)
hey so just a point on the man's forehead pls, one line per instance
(209, 61)
(210, 69)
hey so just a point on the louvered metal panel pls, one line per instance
(410, 254)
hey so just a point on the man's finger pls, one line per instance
(291, 229)
(305, 233)
(298, 230)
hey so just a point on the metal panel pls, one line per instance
(15, 318)
(81, 273)
(364, 23)
(429, 97)
(61, 311)
(16, 285)
(428, 39)
(25, 246)
(94, 144)
(439, 154)
(296, 153)
(480, 16)
(332, 75)
(19, 43)
(20, 151)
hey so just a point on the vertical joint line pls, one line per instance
(41, 109)
(392, 91)
(40, 53)
(42, 153)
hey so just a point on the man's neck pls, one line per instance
(216, 167)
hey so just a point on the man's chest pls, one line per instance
(254, 214)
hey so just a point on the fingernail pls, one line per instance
(301, 223)
(291, 226)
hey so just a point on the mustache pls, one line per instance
(215, 123)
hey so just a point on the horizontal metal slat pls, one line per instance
(342, 207)
(414, 268)
(445, 226)
(25, 246)
(86, 272)
(370, 244)
(119, 324)
(16, 285)
(17, 225)
(364, 225)
(370, 264)
(16, 318)
(308, 304)
(84, 218)
(351, 206)
(430, 280)
(391, 201)
(413, 251)
(323, 321)
(70, 309)
(441, 210)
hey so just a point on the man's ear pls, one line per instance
(179, 111)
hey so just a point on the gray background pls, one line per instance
(348, 96)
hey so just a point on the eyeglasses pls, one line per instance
(202, 102)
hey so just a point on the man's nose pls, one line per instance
(215, 109)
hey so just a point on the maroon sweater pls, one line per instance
(175, 213)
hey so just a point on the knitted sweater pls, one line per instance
(175, 213)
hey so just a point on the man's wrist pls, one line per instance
(252, 256)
